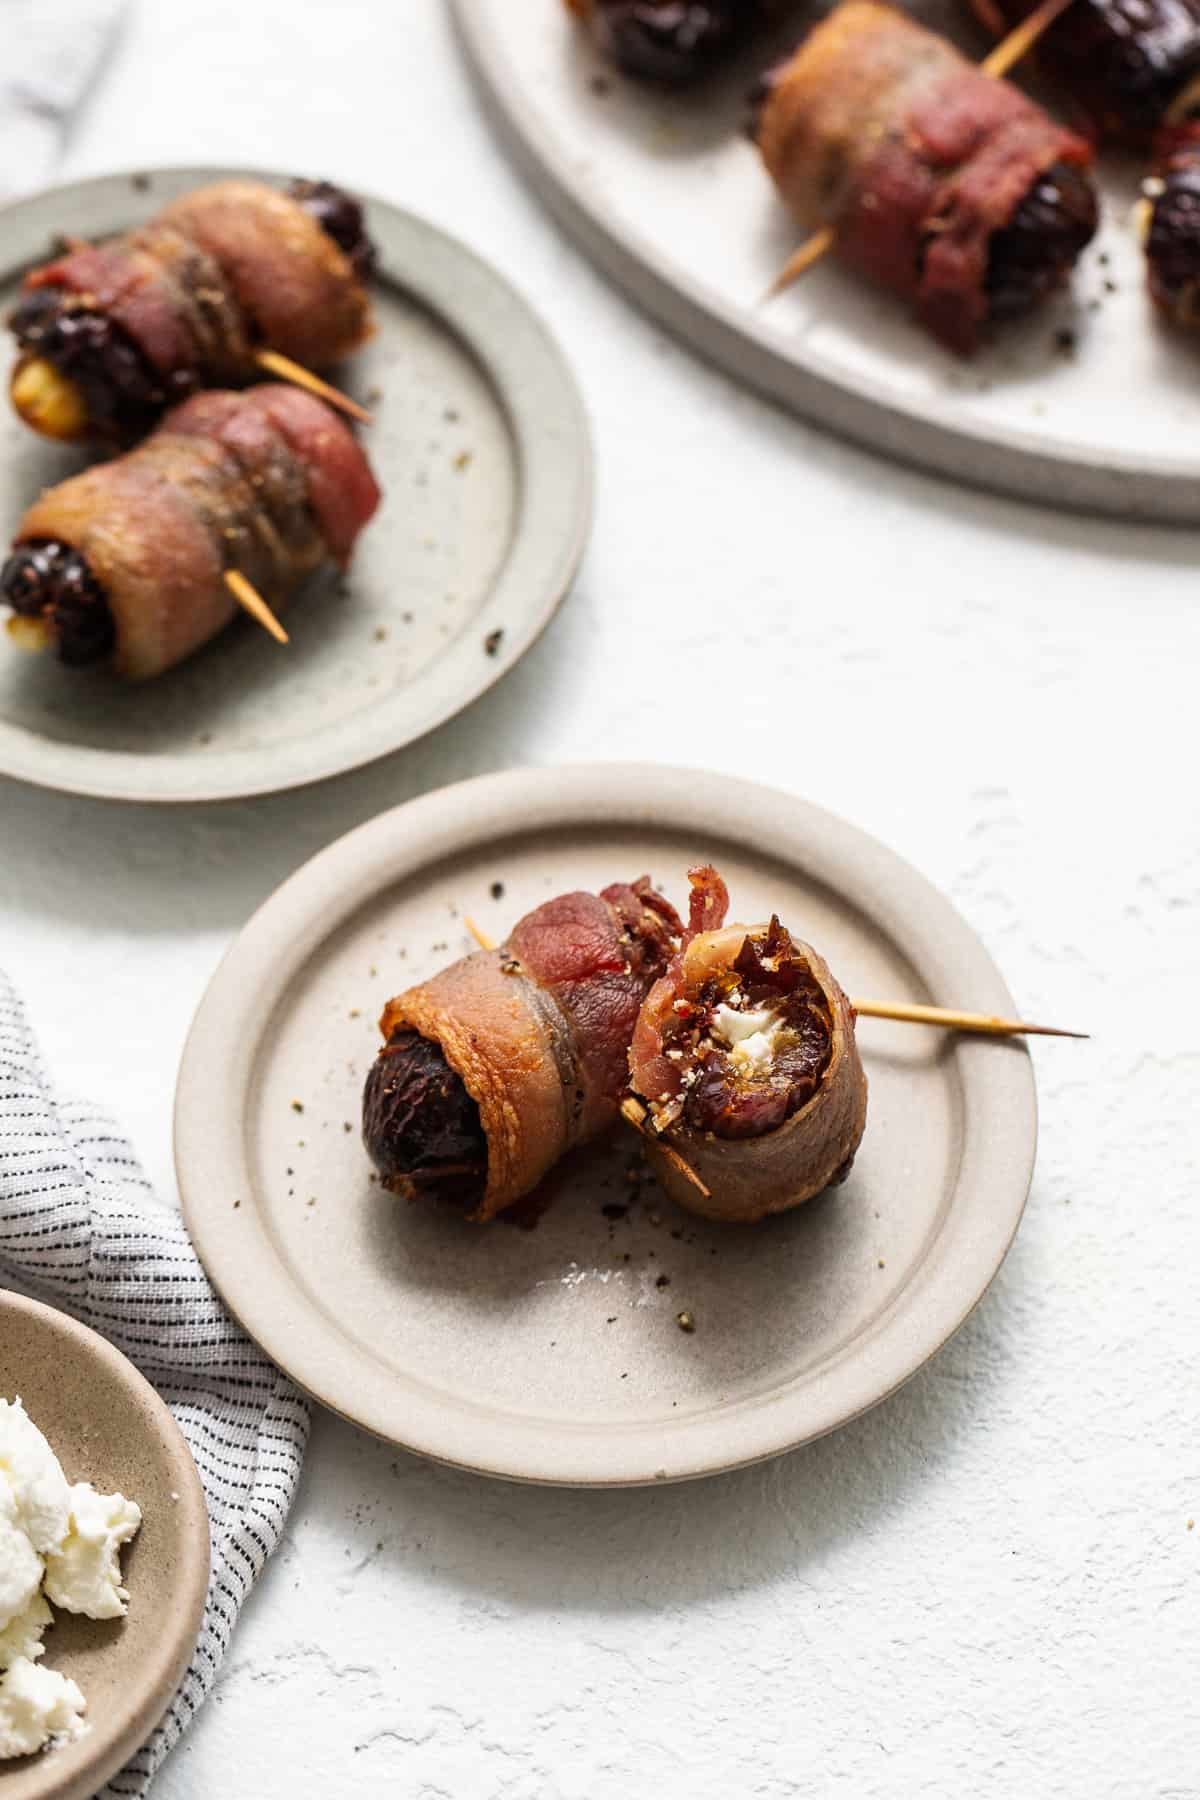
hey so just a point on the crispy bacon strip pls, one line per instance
(655, 1074)
(269, 482)
(539, 1029)
(166, 293)
(883, 131)
(298, 291)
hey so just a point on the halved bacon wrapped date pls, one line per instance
(943, 184)
(129, 558)
(495, 1068)
(139, 323)
(671, 42)
(745, 1055)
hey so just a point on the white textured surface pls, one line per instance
(986, 1587)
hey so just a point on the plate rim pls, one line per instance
(189, 1605)
(554, 454)
(211, 1113)
(920, 433)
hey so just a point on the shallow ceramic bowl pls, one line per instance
(109, 1427)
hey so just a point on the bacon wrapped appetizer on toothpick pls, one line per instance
(745, 1058)
(1134, 71)
(932, 178)
(673, 43)
(139, 561)
(224, 283)
(1131, 66)
(492, 1070)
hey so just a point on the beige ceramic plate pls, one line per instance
(481, 447)
(109, 1427)
(554, 1355)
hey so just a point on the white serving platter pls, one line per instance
(670, 199)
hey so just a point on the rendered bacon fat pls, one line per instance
(144, 320)
(922, 165)
(532, 1043)
(268, 481)
(745, 1055)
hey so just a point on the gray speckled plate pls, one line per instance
(554, 1355)
(108, 1426)
(481, 446)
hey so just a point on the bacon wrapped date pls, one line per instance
(672, 43)
(745, 1055)
(943, 184)
(1131, 65)
(495, 1068)
(110, 335)
(1172, 226)
(127, 561)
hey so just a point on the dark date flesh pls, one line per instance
(673, 42)
(1035, 252)
(421, 1128)
(724, 1098)
(123, 392)
(340, 216)
(53, 582)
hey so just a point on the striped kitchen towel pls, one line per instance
(80, 1227)
(53, 50)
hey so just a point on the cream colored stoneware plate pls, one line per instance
(554, 1355)
(1088, 403)
(481, 447)
(109, 1427)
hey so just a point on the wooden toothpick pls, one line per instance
(810, 252)
(1022, 38)
(998, 62)
(951, 1020)
(251, 601)
(481, 937)
(299, 376)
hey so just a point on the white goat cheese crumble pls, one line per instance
(58, 1541)
(750, 1036)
